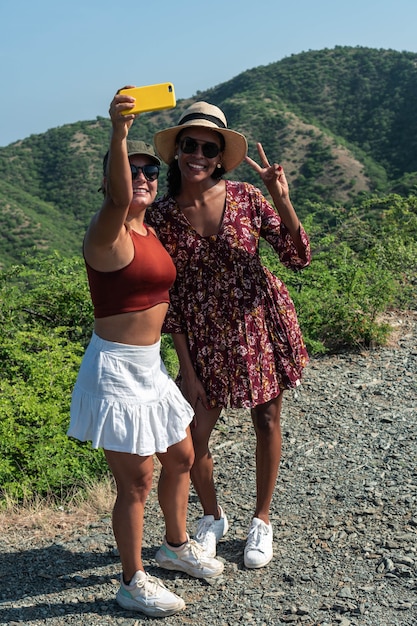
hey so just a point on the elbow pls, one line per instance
(120, 199)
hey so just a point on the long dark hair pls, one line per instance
(174, 175)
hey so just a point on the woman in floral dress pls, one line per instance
(233, 322)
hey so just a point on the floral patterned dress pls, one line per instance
(239, 320)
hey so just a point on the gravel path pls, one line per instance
(344, 517)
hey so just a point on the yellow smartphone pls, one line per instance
(151, 98)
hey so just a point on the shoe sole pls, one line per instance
(150, 611)
(258, 566)
(226, 527)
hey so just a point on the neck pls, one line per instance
(136, 224)
(199, 192)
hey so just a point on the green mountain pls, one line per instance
(341, 121)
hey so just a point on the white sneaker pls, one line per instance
(189, 558)
(258, 550)
(210, 531)
(148, 595)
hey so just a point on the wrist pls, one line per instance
(119, 133)
(282, 201)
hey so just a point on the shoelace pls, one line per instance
(204, 528)
(196, 549)
(256, 536)
(150, 585)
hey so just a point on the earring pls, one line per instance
(218, 165)
(176, 157)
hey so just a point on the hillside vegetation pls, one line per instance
(341, 121)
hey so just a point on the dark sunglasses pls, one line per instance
(209, 149)
(150, 172)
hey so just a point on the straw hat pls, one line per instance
(203, 115)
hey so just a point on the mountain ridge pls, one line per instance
(341, 121)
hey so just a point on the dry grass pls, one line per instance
(47, 519)
(401, 323)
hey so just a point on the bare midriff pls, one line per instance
(138, 328)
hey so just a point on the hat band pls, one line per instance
(202, 116)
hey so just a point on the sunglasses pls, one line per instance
(209, 149)
(150, 171)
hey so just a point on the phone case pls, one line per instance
(151, 98)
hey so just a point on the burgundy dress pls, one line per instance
(239, 320)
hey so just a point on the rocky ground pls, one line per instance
(344, 517)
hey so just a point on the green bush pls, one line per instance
(45, 325)
(36, 456)
(364, 263)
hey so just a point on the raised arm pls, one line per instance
(274, 178)
(107, 224)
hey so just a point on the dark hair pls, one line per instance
(174, 174)
(105, 160)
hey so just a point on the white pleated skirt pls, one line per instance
(125, 401)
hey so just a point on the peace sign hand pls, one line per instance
(272, 175)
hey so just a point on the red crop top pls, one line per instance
(140, 285)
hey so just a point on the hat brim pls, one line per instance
(142, 148)
(147, 154)
(235, 150)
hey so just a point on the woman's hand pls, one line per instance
(193, 391)
(272, 175)
(121, 102)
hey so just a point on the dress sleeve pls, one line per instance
(274, 231)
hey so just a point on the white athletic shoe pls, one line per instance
(189, 558)
(258, 550)
(210, 531)
(148, 595)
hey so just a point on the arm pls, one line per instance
(107, 224)
(275, 181)
(191, 386)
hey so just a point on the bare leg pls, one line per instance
(202, 470)
(266, 420)
(174, 486)
(133, 476)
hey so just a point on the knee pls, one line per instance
(180, 461)
(201, 450)
(200, 447)
(189, 456)
(186, 462)
(143, 484)
(201, 439)
(136, 489)
(185, 458)
(267, 427)
(266, 420)
(189, 464)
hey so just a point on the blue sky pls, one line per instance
(61, 62)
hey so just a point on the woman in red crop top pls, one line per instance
(123, 400)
